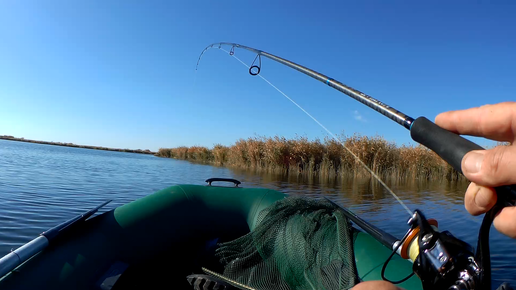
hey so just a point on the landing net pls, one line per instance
(299, 243)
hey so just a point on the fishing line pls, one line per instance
(329, 132)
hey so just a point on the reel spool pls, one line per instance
(410, 247)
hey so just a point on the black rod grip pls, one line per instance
(450, 146)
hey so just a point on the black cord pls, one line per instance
(482, 255)
(388, 260)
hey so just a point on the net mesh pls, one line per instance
(299, 243)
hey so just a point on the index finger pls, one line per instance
(496, 122)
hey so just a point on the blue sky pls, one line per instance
(122, 73)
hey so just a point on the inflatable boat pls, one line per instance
(248, 238)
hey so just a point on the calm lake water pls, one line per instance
(43, 185)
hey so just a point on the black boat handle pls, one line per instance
(210, 180)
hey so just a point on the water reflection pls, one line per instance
(358, 190)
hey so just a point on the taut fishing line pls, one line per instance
(328, 131)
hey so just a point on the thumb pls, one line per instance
(492, 168)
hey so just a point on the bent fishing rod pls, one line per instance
(440, 260)
(449, 146)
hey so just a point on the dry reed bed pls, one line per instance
(327, 158)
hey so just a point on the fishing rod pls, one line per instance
(383, 237)
(450, 147)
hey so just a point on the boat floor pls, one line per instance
(168, 271)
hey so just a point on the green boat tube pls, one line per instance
(158, 240)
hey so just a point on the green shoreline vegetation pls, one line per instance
(327, 159)
(139, 151)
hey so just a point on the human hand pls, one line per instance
(491, 168)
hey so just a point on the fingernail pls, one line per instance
(481, 200)
(473, 162)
